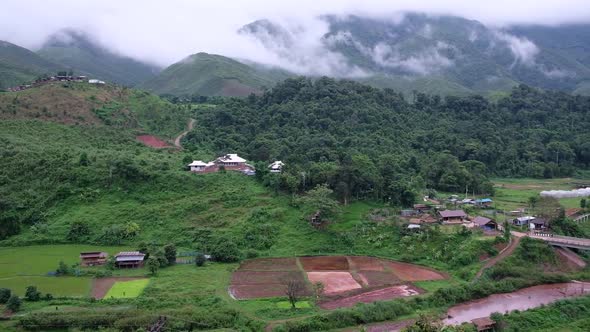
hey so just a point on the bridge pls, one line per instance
(562, 241)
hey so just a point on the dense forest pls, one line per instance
(372, 143)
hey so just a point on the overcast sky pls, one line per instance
(166, 31)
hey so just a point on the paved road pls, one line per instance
(191, 125)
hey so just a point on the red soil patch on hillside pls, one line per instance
(334, 282)
(152, 141)
(324, 263)
(411, 272)
(264, 277)
(387, 293)
(347, 279)
(366, 263)
(101, 286)
(378, 278)
(270, 264)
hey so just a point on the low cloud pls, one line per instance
(523, 50)
(585, 192)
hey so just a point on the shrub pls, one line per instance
(62, 269)
(170, 253)
(225, 250)
(13, 304)
(200, 259)
(4, 295)
(32, 294)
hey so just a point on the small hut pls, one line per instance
(93, 258)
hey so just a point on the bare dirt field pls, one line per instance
(334, 282)
(378, 278)
(264, 277)
(411, 272)
(152, 141)
(347, 279)
(387, 293)
(363, 263)
(270, 264)
(324, 263)
(101, 286)
(258, 291)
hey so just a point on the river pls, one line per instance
(523, 299)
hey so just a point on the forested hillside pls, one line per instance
(367, 142)
(74, 140)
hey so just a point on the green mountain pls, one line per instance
(19, 65)
(213, 75)
(441, 54)
(77, 51)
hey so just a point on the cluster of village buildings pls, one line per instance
(231, 162)
(124, 259)
(429, 214)
(61, 77)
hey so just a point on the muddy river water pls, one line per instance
(526, 298)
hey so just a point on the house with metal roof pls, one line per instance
(129, 259)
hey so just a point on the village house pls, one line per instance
(230, 162)
(421, 208)
(93, 258)
(522, 221)
(539, 224)
(129, 259)
(452, 216)
(276, 167)
(484, 202)
(199, 166)
(484, 223)
(484, 324)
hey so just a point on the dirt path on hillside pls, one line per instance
(571, 257)
(515, 240)
(190, 126)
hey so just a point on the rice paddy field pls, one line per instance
(514, 193)
(21, 267)
(127, 289)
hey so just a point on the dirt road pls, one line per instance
(505, 253)
(191, 125)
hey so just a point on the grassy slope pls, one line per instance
(19, 65)
(86, 104)
(99, 64)
(212, 75)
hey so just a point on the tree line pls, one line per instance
(366, 142)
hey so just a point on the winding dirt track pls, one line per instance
(515, 240)
(190, 126)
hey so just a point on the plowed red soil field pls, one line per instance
(324, 263)
(378, 278)
(270, 264)
(411, 272)
(372, 296)
(363, 263)
(347, 279)
(334, 282)
(264, 277)
(152, 141)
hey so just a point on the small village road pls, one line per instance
(515, 240)
(191, 125)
